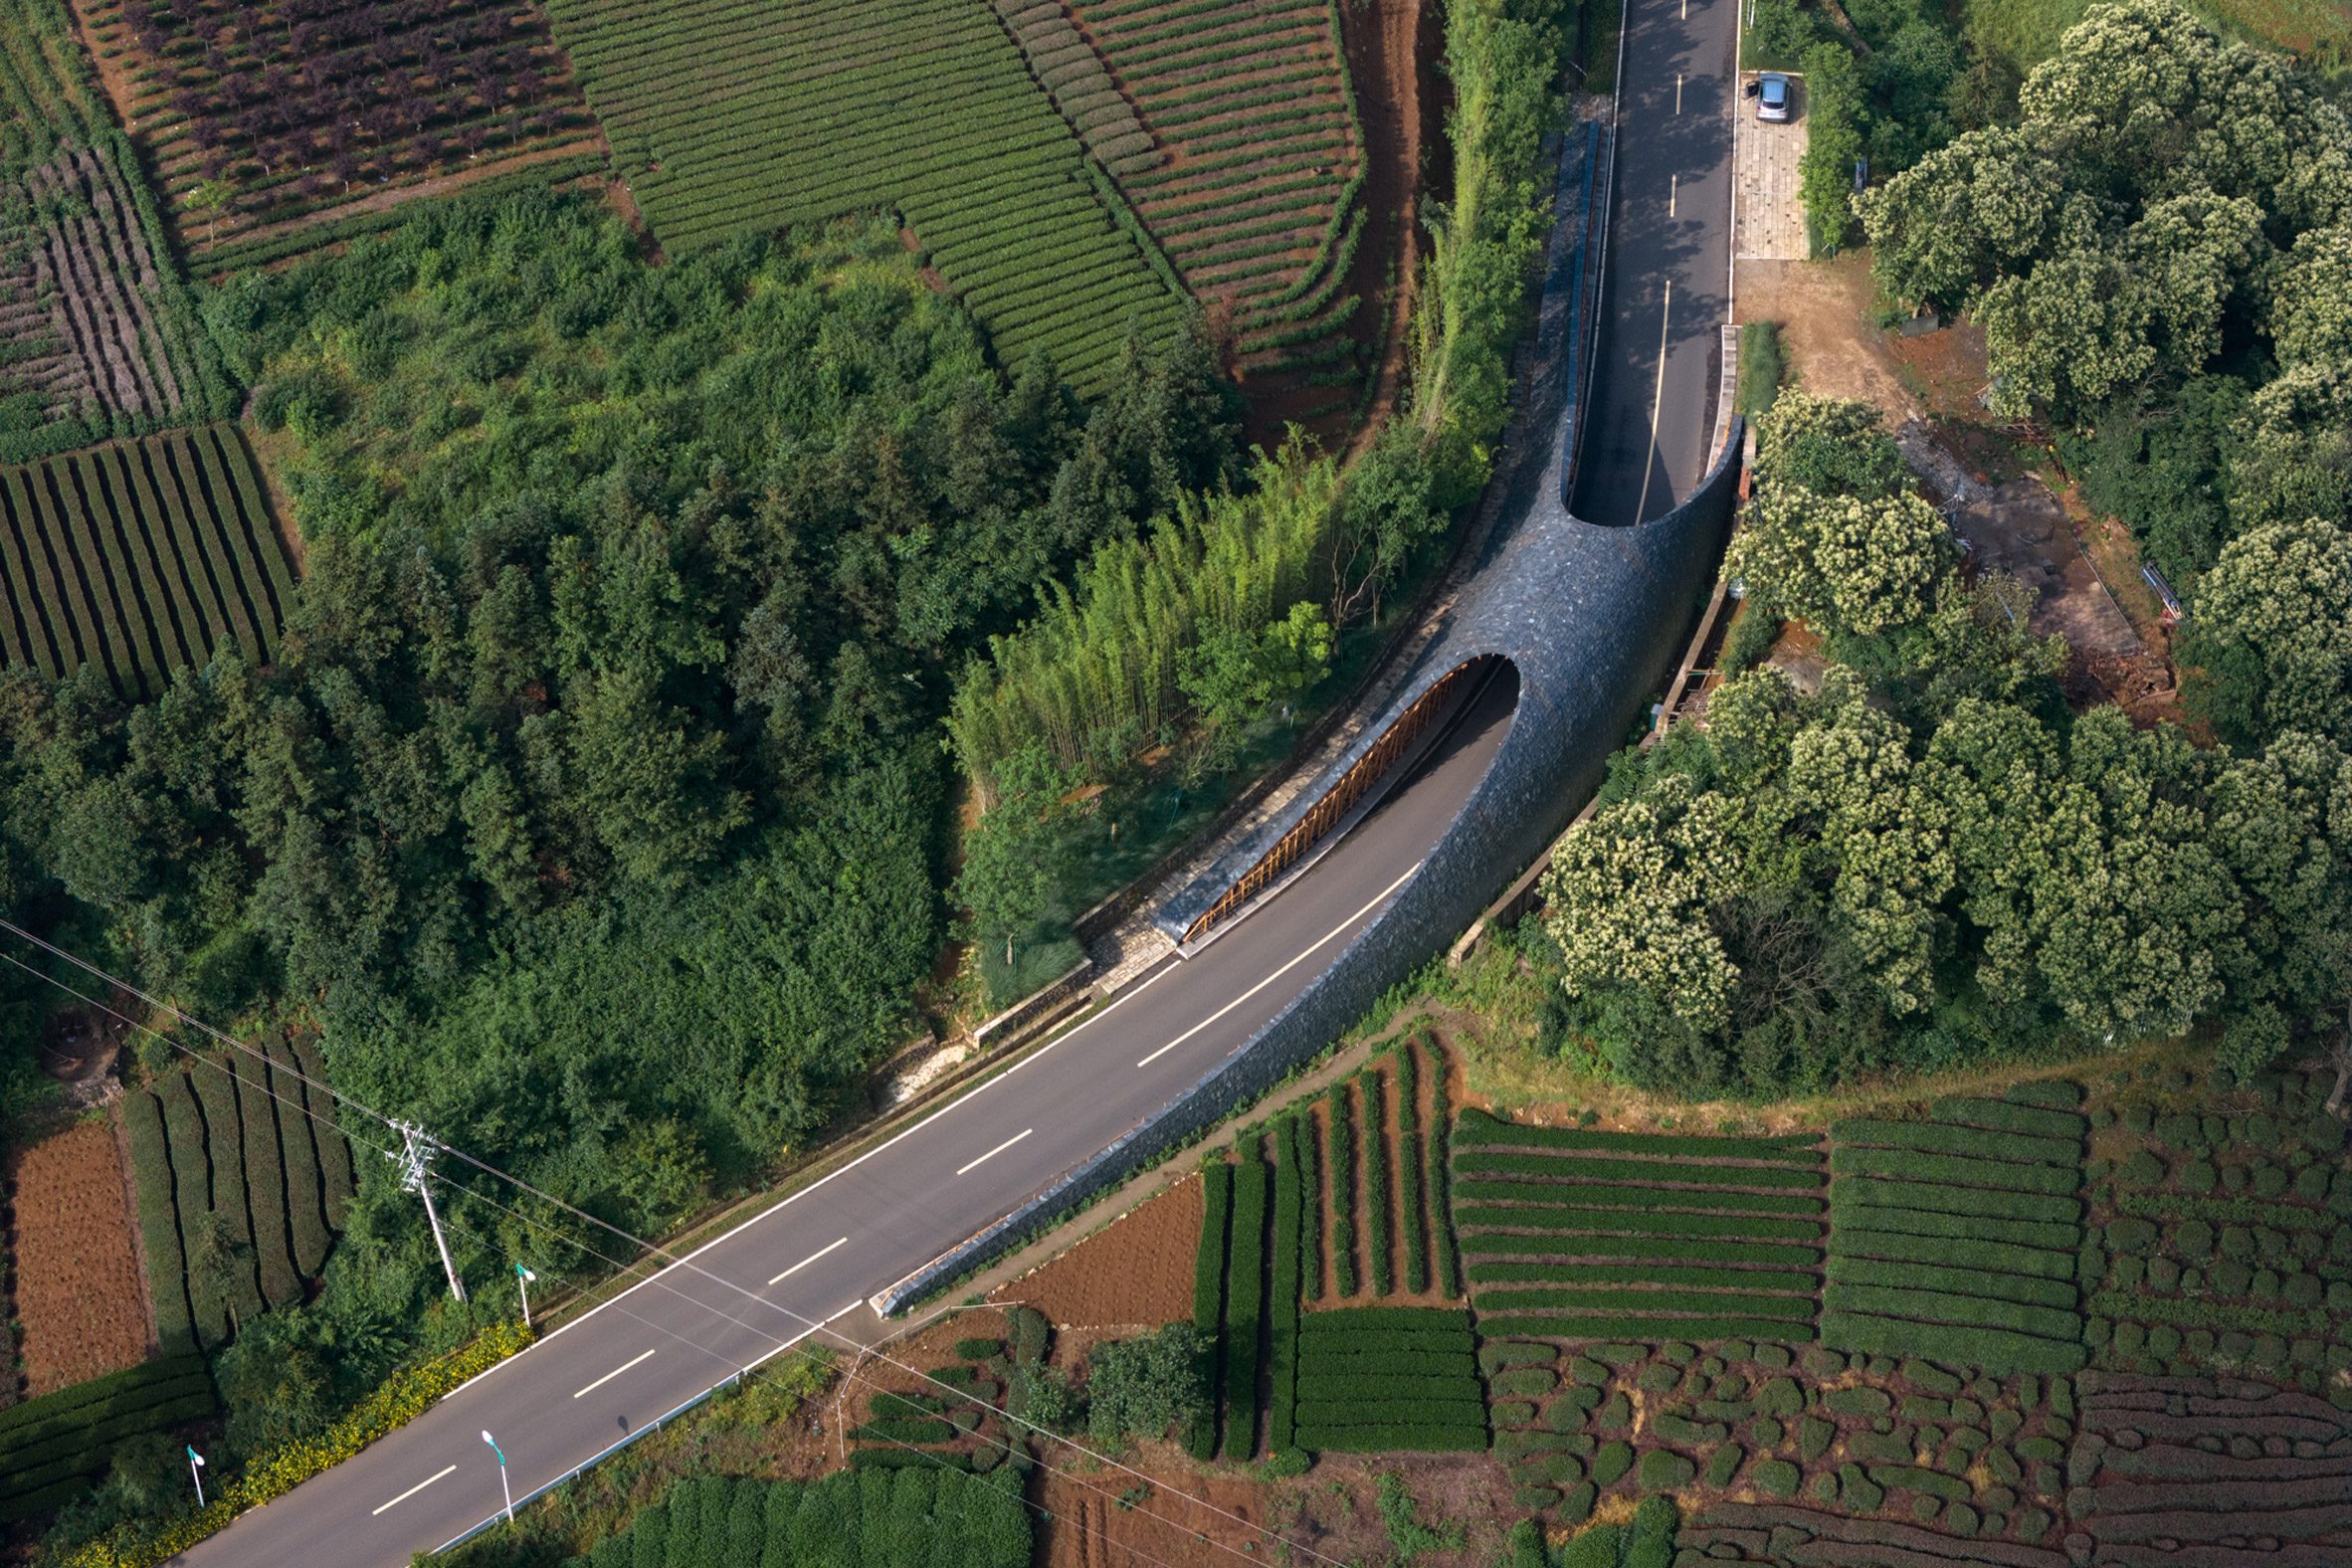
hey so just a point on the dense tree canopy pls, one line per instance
(594, 805)
(1929, 859)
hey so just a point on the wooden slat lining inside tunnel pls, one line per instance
(1327, 812)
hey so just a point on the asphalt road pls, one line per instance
(817, 1256)
(1659, 349)
(814, 1258)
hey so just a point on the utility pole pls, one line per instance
(415, 1151)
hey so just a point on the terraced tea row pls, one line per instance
(140, 558)
(242, 1179)
(1581, 1234)
(926, 106)
(1259, 201)
(1957, 1236)
(270, 125)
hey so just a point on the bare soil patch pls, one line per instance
(1392, 55)
(79, 1293)
(1133, 1273)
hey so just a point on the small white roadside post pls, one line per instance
(522, 1282)
(502, 1484)
(196, 1471)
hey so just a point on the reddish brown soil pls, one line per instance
(1135, 1272)
(1182, 1514)
(1392, 53)
(79, 1293)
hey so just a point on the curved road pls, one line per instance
(815, 1257)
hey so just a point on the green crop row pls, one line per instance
(1848, 1210)
(1630, 1195)
(1571, 1167)
(1995, 1257)
(1409, 1169)
(2004, 1146)
(1996, 1350)
(1629, 1327)
(1597, 1221)
(1340, 1104)
(1405, 1438)
(1448, 1321)
(1953, 1170)
(1797, 1148)
(265, 1184)
(1208, 1297)
(1245, 1296)
(1402, 1383)
(1379, 1236)
(1445, 1264)
(1389, 1347)
(1991, 1284)
(901, 1429)
(1934, 1197)
(1658, 1247)
(1936, 1306)
(159, 1226)
(335, 1153)
(305, 1209)
(1633, 1301)
(1311, 1208)
(1283, 1291)
(2004, 1116)
(1656, 1276)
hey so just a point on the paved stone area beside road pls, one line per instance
(1767, 219)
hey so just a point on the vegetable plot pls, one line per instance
(1389, 1379)
(724, 124)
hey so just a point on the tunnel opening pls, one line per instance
(1411, 741)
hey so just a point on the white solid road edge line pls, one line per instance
(412, 1490)
(805, 1261)
(1304, 954)
(993, 1153)
(614, 1373)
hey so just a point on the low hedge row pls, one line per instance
(1409, 1169)
(1309, 1142)
(1579, 1168)
(1282, 1289)
(2003, 1117)
(1995, 1257)
(1406, 1437)
(1661, 1247)
(1449, 1321)
(1384, 1346)
(1400, 1384)
(334, 1152)
(1935, 1307)
(1655, 1275)
(184, 1140)
(1479, 1127)
(1952, 1170)
(893, 1510)
(1446, 1262)
(1341, 1105)
(903, 1430)
(1930, 1195)
(224, 1143)
(1461, 1411)
(1996, 1350)
(1638, 1221)
(1208, 1299)
(1245, 1297)
(1633, 1195)
(1379, 1234)
(1974, 1283)
(1630, 1327)
(1852, 1212)
(1936, 1138)
(265, 1184)
(1648, 1303)
(159, 1225)
(306, 1192)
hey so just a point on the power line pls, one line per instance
(655, 1249)
(626, 1268)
